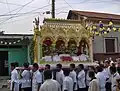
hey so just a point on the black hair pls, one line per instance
(72, 65)
(47, 74)
(13, 65)
(99, 68)
(81, 66)
(113, 69)
(35, 65)
(92, 67)
(107, 61)
(91, 74)
(16, 64)
(59, 65)
(26, 65)
(48, 66)
(66, 72)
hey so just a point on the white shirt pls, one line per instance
(88, 79)
(102, 80)
(50, 85)
(73, 76)
(15, 79)
(94, 85)
(107, 74)
(68, 84)
(81, 79)
(60, 77)
(26, 79)
(37, 78)
(114, 79)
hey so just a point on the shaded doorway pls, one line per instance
(3, 63)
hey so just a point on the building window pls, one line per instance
(110, 45)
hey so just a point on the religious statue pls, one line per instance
(36, 23)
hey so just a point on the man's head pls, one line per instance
(118, 63)
(113, 69)
(99, 68)
(35, 67)
(47, 67)
(26, 65)
(91, 68)
(106, 63)
(91, 74)
(47, 74)
(16, 64)
(80, 67)
(72, 67)
(58, 67)
(66, 72)
(12, 66)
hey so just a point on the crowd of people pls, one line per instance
(104, 77)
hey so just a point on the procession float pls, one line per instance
(66, 41)
(62, 41)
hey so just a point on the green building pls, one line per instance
(14, 48)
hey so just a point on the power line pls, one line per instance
(16, 4)
(26, 12)
(16, 20)
(25, 5)
(8, 7)
(18, 10)
(68, 4)
(19, 14)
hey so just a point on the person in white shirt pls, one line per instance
(101, 78)
(37, 78)
(107, 74)
(73, 76)
(49, 84)
(94, 85)
(26, 78)
(68, 81)
(14, 78)
(81, 78)
(59, 76)
(115, 77)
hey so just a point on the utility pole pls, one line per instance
(53, 8)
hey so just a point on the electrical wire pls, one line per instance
(26, 12)
(17, 11)
(25, 5)
(8, 7)
(68, 4)
(16, 4)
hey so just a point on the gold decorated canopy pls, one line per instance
(66, 30)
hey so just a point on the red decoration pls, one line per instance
(47, 42)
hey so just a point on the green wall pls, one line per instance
(19, 55)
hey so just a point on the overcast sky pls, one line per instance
(16, 16)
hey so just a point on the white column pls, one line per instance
(28, 53)
(38, 37)
(91, 49)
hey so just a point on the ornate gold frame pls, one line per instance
(65, 29)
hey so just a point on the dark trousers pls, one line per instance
(27, 89)
(82, 89)
(108, 86)
(87, 88)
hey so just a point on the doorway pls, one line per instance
(3, 63)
